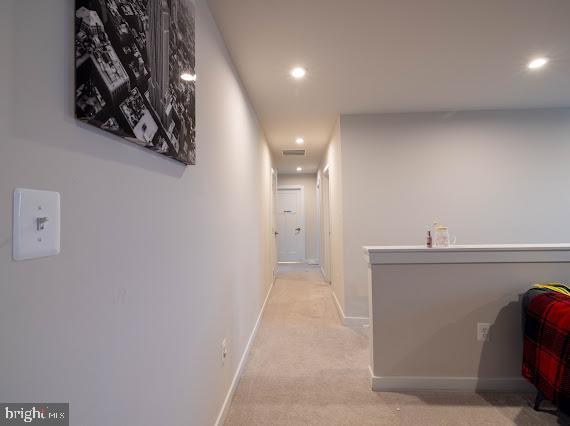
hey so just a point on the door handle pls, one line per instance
(276, 233)
(298, 229)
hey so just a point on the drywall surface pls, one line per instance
(159, 262)
(309, 184)
(425, 320)
(491, 176)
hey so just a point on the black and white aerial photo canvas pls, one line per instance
(135, 72)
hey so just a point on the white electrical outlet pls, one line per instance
(483, 331)
(224, 352)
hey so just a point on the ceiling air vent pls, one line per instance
(293, 152)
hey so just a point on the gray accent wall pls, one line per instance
(425, 319)
(491, 176)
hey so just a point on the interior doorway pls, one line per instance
(274, 249)
(326, 263)
(291, 224)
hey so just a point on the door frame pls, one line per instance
(274, 248)
(326, 219)
(302, 210)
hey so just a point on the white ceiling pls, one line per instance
(373, 56)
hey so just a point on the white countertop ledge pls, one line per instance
(488, 253)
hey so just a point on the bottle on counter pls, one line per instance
(429, 240)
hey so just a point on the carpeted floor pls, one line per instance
(305, 368)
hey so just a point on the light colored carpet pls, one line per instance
(305, 368)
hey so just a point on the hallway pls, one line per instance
(305, 368)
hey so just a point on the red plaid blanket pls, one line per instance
(546, 354)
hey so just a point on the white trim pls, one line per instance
(274, 254)
(498, 253)
(318, 217)
(231, 391)
(312, 261)
(291, 187)
(354, 322)
(457, 384)
(325, 237)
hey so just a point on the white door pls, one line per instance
(291, 224)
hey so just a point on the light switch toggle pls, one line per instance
(36, 226)
(40, 223)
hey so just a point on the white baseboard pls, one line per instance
(457, 384)
(356, 322)
(231, 391)
(353, 322)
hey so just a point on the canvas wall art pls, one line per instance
(135, 72)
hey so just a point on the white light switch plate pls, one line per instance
(36, 228)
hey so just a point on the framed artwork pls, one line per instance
(135, 72)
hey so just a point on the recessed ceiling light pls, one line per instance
(537, 63)
(299, 169)
(186, 76)
(298, 72)
(300, 141)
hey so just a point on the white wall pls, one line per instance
(491, 176)
(159, 262)
(309, 183)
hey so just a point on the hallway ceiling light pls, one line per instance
(537, 63)
(299, 169)
(186, 76)
(300, 141)
(298, 73)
